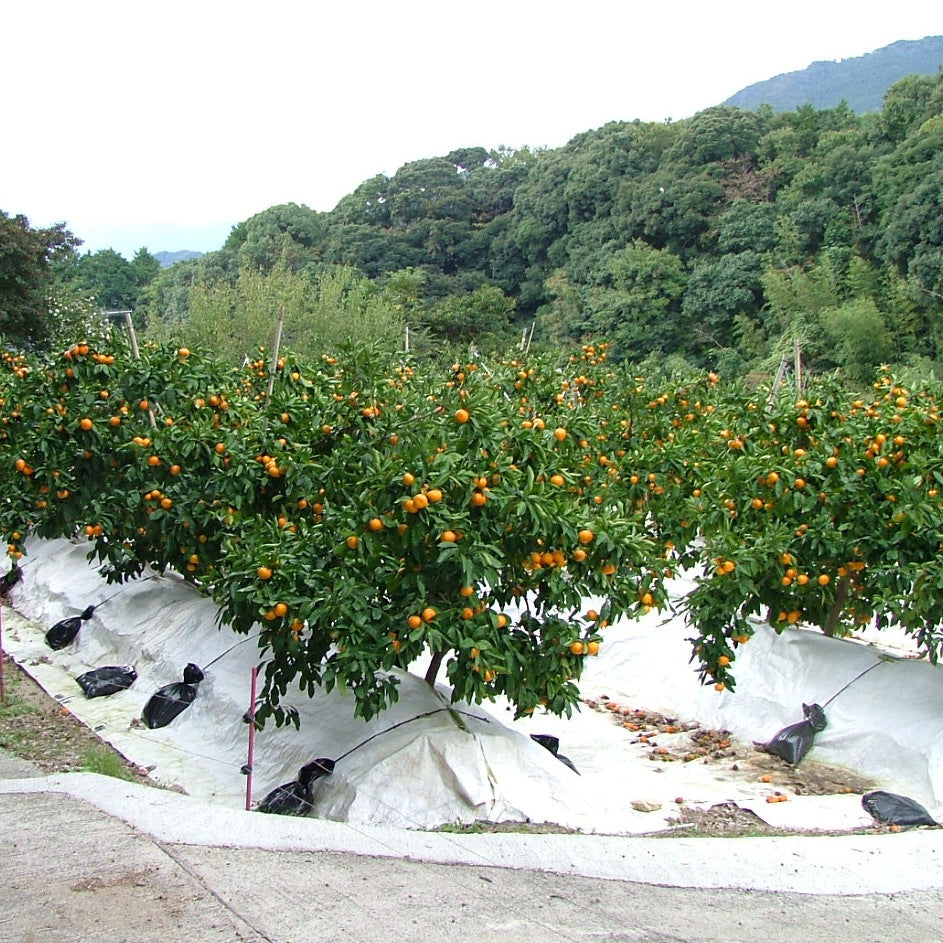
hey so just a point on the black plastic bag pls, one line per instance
(10, 579)
(64, 632)
(889, 808)
(297, 798)
(550, 742)
(793, 742)
(172, 699)
(110, 679)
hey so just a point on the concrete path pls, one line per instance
(72, 872)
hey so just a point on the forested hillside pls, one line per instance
(719, 241)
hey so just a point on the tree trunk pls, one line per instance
(433, 668)
(841, 595)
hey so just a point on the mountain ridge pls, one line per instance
(860, 81)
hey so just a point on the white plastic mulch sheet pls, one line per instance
(422, 765)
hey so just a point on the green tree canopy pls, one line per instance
(26, 258)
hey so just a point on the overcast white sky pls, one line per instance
(163, 124)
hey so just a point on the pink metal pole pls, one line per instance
(3, 680)
(251, 756)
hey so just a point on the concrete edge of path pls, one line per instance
(843, 865)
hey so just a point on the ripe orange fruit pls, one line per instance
(183, 352)
(723, 661)
(449, 537)
(353, 541)
(434, 495)
(428, 614)
(281, 609)
(585, 536)
(468, 613)
(479, 499)
(579, 555)
(153, 461)
(409, 479)
(824, 579)
(174, 469)
(414, 622)
(466, 591)
(420, 501)
(557, 480)
(375, 524)
(462, 416)
(719, 686)
(503, 621)
(86, 424)
(592, 648)
(577, 647)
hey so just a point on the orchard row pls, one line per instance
(366, 516)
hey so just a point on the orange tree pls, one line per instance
(453, 521)
(823, 511)
(367, 517)
(363, 517)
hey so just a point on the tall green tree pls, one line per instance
(26, 261)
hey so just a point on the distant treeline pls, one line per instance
(716, 241)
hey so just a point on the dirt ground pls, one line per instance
(667, 739)
(36, 727)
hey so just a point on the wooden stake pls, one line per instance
(798, 355)
(129, 324)
(777, 382)
(273, 366)
(530, 336)
(136, 351)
